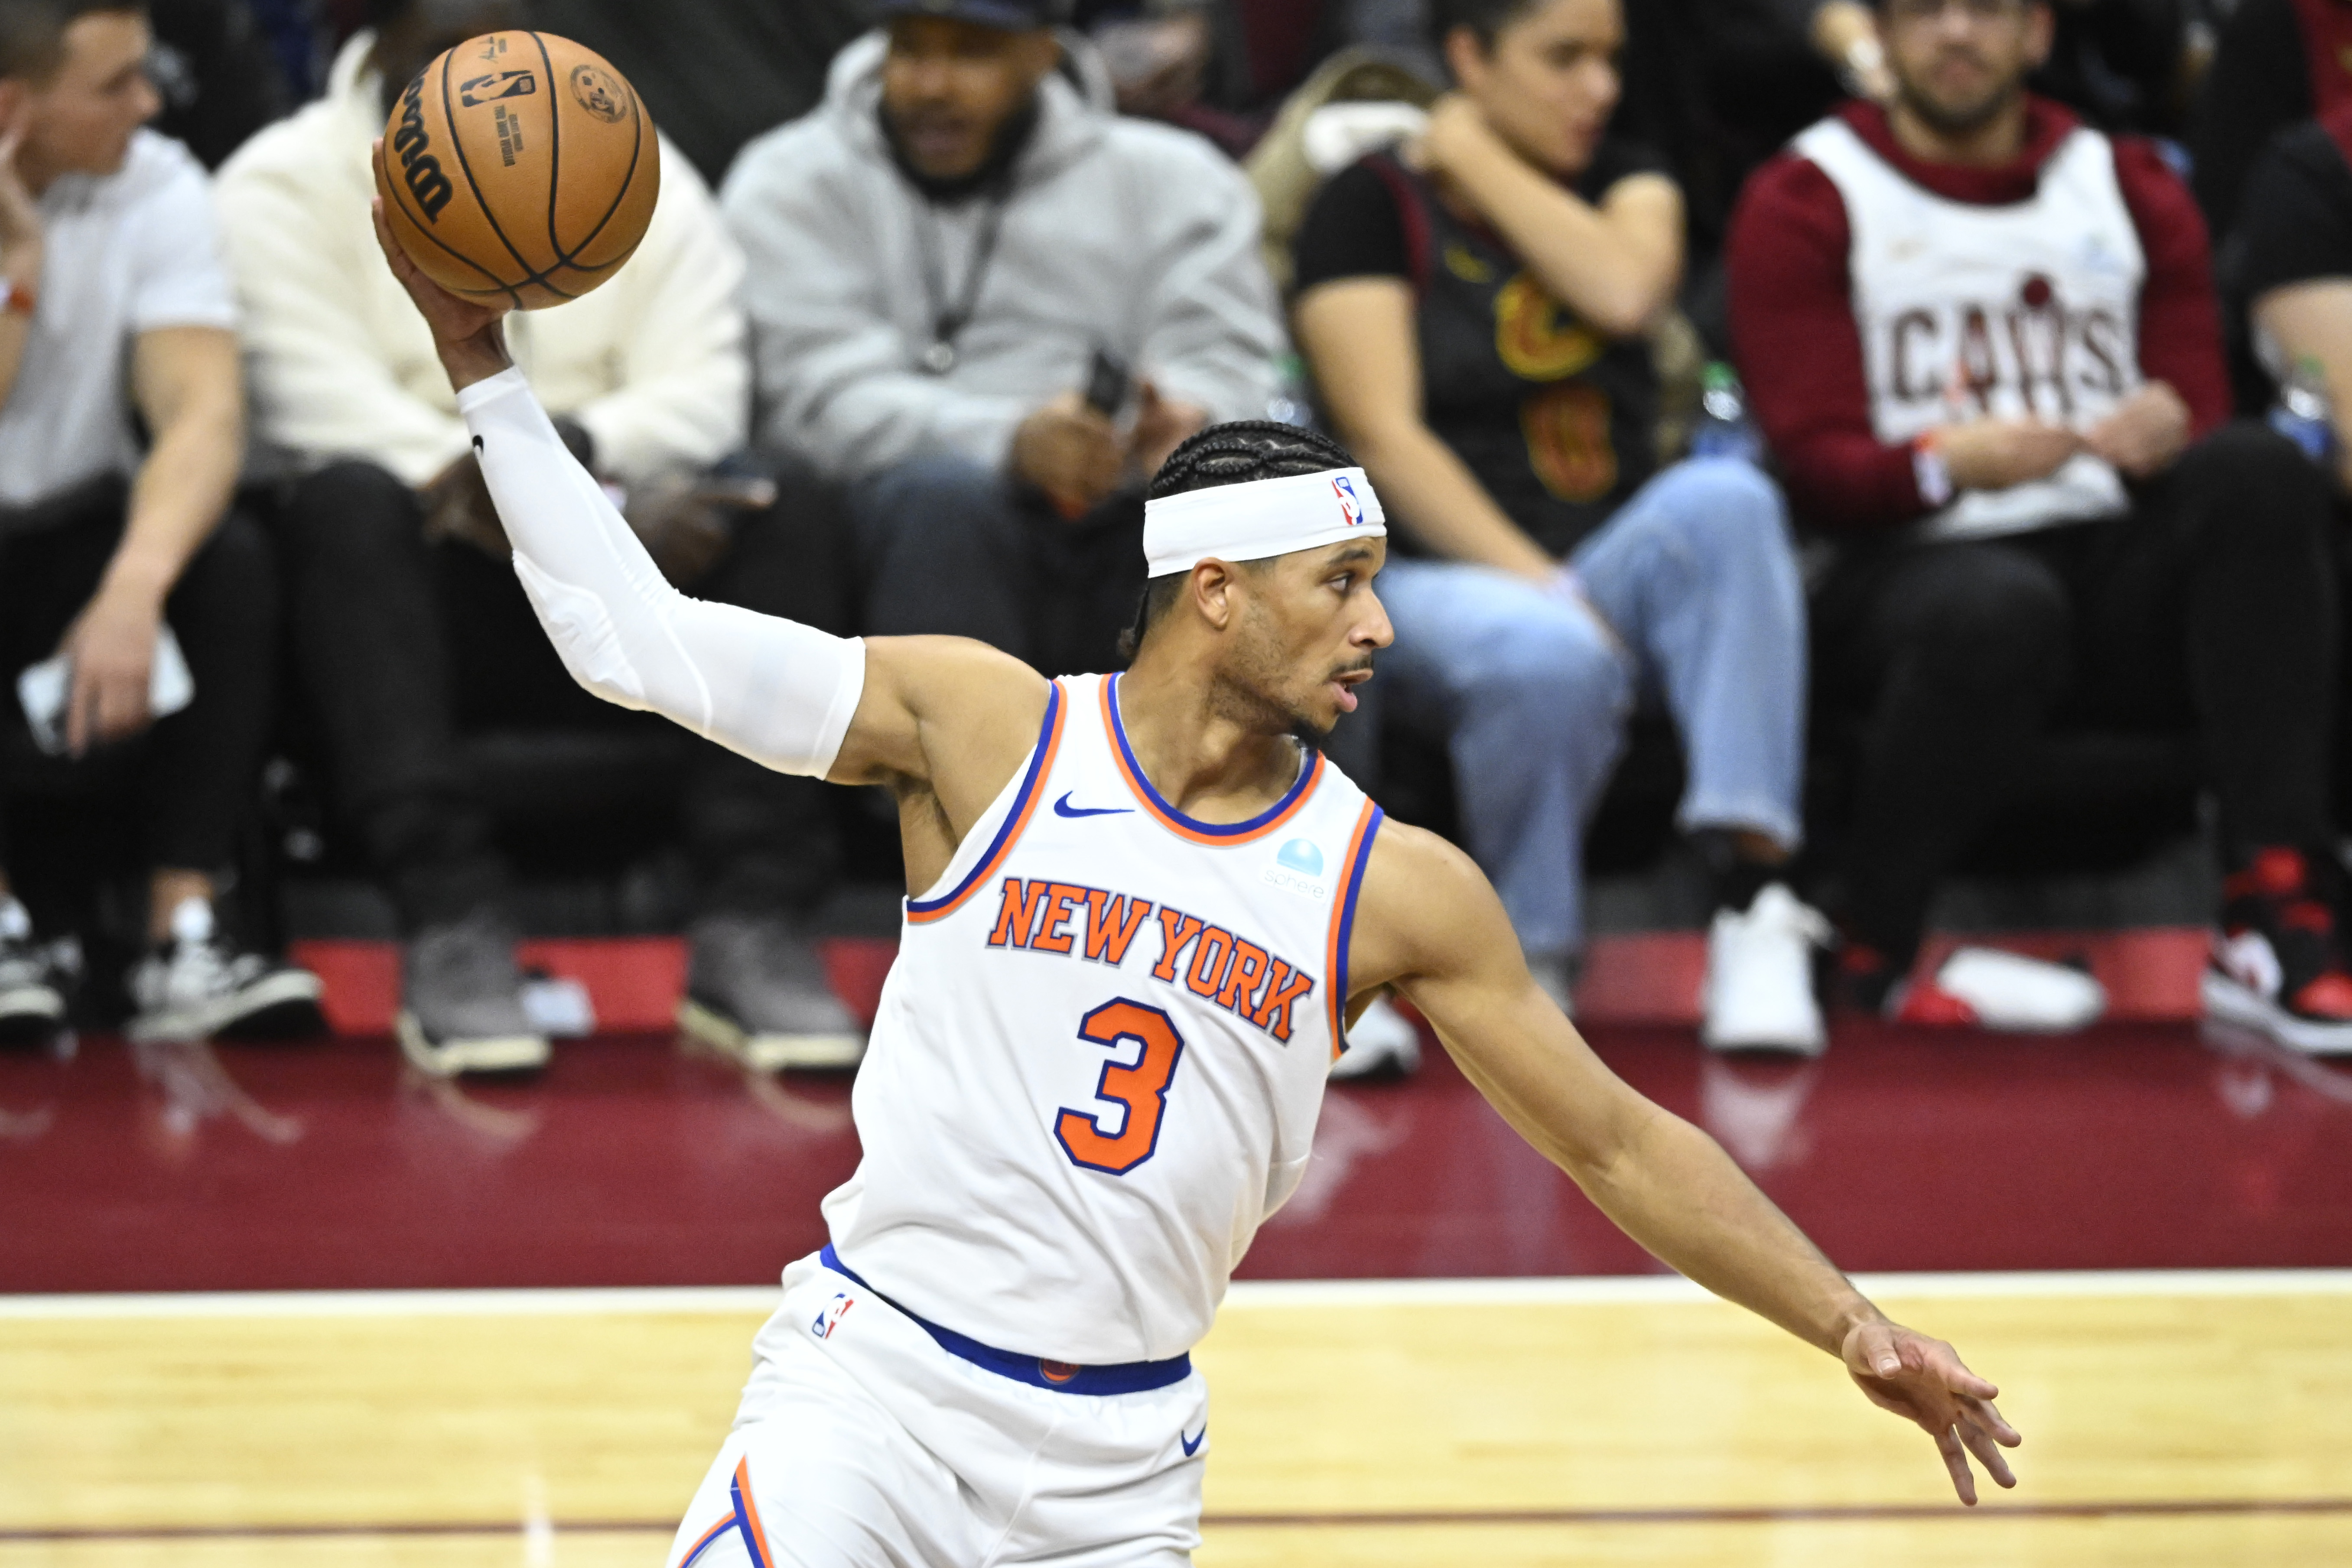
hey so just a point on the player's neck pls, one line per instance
(1205, 759)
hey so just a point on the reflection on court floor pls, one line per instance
(2169, 1418)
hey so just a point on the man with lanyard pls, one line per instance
(955, 263)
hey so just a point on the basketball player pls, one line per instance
(1143, 907)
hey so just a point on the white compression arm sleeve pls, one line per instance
(779, 692)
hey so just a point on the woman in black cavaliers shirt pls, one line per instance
(1473, 309)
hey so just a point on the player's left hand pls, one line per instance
(1925, 1380)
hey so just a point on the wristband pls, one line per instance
(20, 298)
(1929, 471)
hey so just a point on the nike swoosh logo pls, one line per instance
(1063, 808)
(1193, 1445)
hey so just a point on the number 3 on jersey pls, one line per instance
(1143, 1089)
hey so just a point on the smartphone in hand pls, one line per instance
(42, 689)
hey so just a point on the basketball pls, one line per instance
(519, 166)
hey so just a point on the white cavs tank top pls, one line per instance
(1968, 310)
(1100, 1055)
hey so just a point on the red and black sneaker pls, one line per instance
(2277, 966)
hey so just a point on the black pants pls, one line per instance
(194, 772)
(404, 645)
(2210, 605)
(946, 546)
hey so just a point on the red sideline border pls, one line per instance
(1649, 977)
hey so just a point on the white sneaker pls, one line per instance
(200, 984)
(2007, 992)
(1759, 991)
(1380, 1041)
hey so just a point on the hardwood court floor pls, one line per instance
(2170, 1419)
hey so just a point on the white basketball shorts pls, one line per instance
(861, 1442)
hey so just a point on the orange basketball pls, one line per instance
(519, 166)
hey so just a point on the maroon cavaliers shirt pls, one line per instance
(1792, 326)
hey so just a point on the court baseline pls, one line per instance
(1446, 1519)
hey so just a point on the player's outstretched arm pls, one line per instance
(1429, 923)
(953, 719)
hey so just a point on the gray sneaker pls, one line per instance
(461, 1001)
(757, 992)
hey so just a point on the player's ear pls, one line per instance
(1212, 593)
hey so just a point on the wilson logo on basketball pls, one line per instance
(426, 183)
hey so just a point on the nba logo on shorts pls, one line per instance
(1351, 510)
(830, 1319)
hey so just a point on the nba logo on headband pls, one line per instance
(1259, 518)
(1351, 510)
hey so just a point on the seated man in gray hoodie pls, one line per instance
(990, 307)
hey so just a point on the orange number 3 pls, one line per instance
(1143, 1089)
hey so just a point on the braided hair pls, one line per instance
(1232, 454)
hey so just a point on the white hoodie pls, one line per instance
(651, 363)
(1136, 237)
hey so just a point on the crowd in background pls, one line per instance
(1876, 393)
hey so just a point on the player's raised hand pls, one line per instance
(471, 343)
(1925, 1380)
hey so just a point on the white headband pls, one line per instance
(1261, 518)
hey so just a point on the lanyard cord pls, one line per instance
(948, 322)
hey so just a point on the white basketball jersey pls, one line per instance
(1968, 310)
(1101, 1053)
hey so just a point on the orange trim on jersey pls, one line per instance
(694, 1553)
(1215, 834)
(1033, 789)
(1343, 922)
(755, 1534)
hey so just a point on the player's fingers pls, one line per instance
(1956, 1461)
(1980, 1443)
(1874, 1351)
(1987, 1415)
(392, 255)
(1945, 1362)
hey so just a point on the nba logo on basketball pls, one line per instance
(1351, 510)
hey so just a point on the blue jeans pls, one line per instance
(1696, 581)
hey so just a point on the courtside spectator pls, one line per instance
(1473, 310)
(939, 257)
(2289, 267)
(120, 436)
(1983, 342)
(409, 623)
(2290, 262)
